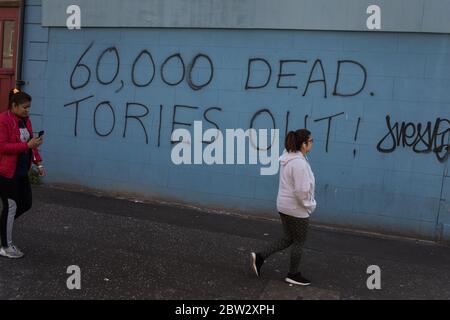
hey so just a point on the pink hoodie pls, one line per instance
(297, 186)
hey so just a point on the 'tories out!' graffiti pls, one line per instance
(259, 75)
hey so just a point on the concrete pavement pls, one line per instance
(129, 250)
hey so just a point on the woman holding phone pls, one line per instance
(18, 150)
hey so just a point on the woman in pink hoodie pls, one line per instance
(295, 203)
(18, 150)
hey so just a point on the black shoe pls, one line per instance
(257, 262)
(297, 278)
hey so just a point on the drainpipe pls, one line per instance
(19, 81)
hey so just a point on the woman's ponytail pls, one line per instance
(289, 142)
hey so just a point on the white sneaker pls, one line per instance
(17, 250)
(11, 252)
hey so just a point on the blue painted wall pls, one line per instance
(408, 78)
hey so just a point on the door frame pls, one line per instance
(10, 11)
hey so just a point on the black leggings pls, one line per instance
(16, 199)
(295, 231)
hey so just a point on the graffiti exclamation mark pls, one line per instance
(160, 121)
(356, 136)
(287, 124)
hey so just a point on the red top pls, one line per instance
(10, 144)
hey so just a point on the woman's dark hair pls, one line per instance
(294, 139)
(18, 97)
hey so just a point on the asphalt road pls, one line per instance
(129, 250)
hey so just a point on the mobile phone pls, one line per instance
(41, 133)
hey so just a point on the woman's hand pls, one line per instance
(35, 143)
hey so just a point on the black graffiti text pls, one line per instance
(316, 76)
(422, 139)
